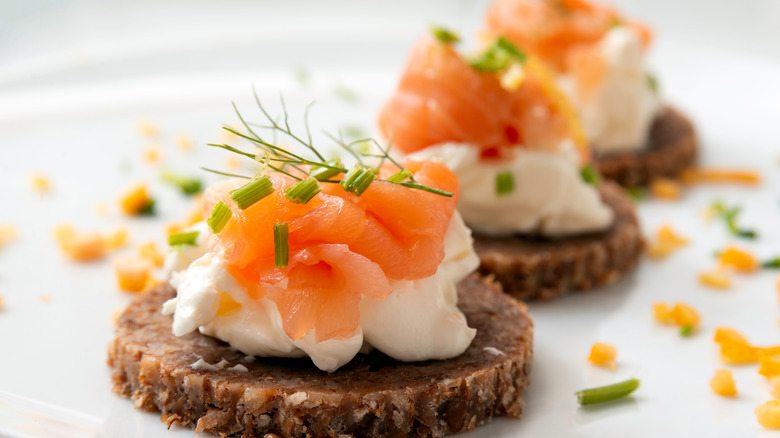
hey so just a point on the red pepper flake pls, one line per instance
(490, 153)
(512, 136)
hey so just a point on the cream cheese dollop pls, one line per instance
(619, 114)
(420, 319)
(549, 196)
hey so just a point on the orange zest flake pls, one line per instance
(132, 273)
(681, 315)
(768, 414)
(184, 142)
(7, 233)
(769, 365)
(87, 246)
(603, 355)
(152, 154)
(715, 279)
(45, 298)
(1, 302)
(723, 383)
(80, 247)
(147, 129)
(738, 259)
(118, 239)
(662, 313)
(666, 242)
(703, 175)
(666, 188)
(135, 200)
(232, 162)
(736, 349)
(149, 251)
(774, 383)
(40, 183)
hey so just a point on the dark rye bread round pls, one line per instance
(672, 147)
(373, 395)
(537, 268)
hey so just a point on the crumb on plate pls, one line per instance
(7, 233)
(118, 239)
(45, 298)
(722, 383)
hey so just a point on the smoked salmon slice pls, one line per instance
(342, 247)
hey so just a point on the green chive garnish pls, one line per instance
(303, 191)
(686, 331)
(652, 82)
(281, 245)
(590, 175)
(183, 238)
(498, 56)
(220, 216)
(323, 173)
(505, 183)
(400, 176)
(252, 192)
(603, 394)
(635, 193)
(445, 36)
(148, 209)
(730, 215)
(771, 264)
(358, 179)
(188, 186)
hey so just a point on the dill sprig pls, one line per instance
(316, 169)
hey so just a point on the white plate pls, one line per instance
(75, 121)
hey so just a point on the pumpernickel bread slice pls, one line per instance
(672, 147)
(373, 395)
(538, 268)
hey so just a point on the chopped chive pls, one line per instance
(498, 56)
(418, 186)
(636, 193)
(281, 245)
(358, 179)
(445, 36)
(652, 82)
(183, 238)
(322, 173)
(606, 393)
(220, 216)
(730, 215)
(505, 183)
(148, 209)
(188, 186)
(255, 190)
(400, 176)
(686, 330)
(772, 263)
(590, 175)
(303, 191)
